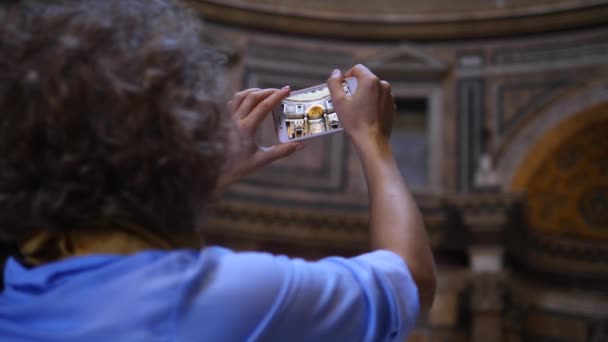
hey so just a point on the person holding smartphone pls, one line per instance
(114, 139)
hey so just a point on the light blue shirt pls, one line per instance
(209, 295)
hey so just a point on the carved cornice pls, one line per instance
(485, 216)
(453, 223)
(563, 256)
(299, 226)
(333, 227)
(400, 27)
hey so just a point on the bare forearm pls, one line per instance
(395, 221)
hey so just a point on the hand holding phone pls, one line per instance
(309, 113)
(249, 108)
(369, 114)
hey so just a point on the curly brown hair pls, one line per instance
(109, 109)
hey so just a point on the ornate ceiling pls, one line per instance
(406, 19)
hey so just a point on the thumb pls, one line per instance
(334, 84)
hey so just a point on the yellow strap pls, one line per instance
(47, 246)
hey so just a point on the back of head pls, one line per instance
(109, 110)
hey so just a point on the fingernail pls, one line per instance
(300, 146)
(285, 88)
(335, 73)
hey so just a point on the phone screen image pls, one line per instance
(310, 112)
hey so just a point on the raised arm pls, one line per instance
(395, 221)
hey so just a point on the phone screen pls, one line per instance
(310, 112)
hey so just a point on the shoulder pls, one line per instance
(370, 296)
(216, 267)
(223, 272)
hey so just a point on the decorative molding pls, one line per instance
(406, 61)
(554, 56)
(293, 227)
(308, 226)
(587, 251)
(394, 27)
(407, 10)
(567, 257)
(303, 226)
(540, 54)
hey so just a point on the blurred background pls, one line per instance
(502, 133)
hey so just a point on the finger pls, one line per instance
(386, 86)
(264, 107)
(238, 98)
(267, 155)
(251, 101)
(359, 71)
(230, 105)
(386, 93)
(392, 105)
(334, 84)
(365, 78)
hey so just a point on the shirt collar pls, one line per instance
(39, 279)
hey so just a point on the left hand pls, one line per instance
(250, 107)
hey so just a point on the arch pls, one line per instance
(565, 177)
(550, 142)
(517, 151)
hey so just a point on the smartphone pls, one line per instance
(309, 113)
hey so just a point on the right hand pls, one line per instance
(369, 112)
